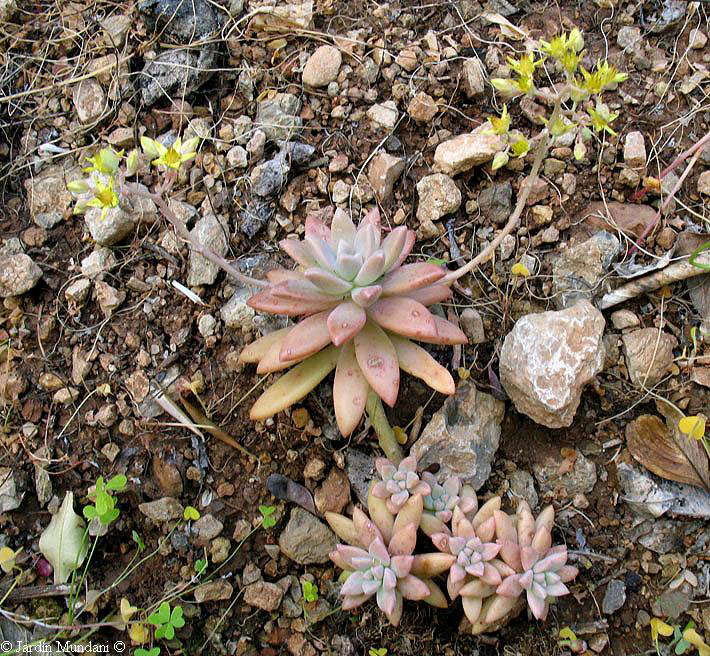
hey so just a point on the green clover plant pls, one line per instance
(166, 621)
(104, 506)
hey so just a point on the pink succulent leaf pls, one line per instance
(396, 615)
(399, 499)
(385, 468)
(386, 600)
(305, 338)
(490, 550)
(404, 541)
(316, 228)
(276, 276)
(372, 217)
(367, 240)
(490, 575)
(408, 464)
(551, 562)
(468, 505)
(344, 321)
(401, 565)
(510, 553)
(350, 390)
(477, 569)
(444, 515)
(395, 487)
(409, 277)
(556, 589)
(371, 586)
(342, 228)
(526, 579)
(353, 601)
(537, 605)
(380, 490)
(403, 316)
(441, 542)
(392, 245)
(324, 254)
(454, 587)
(416, 361)
(353, 584)
(413, 588)
(452, 486)
(456, 544)
(327, 282)
(430, 295)
(389, 579)
(366, 296)
(542, 540)
(510, 587)
(446, 333)
(347, 265)
(472, 608)
(266, 301)
(371, 270)
(298, 251)
(379, 551)
(407, 249)
(528, 557)
(378, 362)
(538, 590)
(487, 530)
(457, 573)
(348, 552)
(567, 573)
(300, 290)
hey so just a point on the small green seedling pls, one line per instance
(377, 651)
(201, 565)
(104, 506)
(138, 540)
(155, 651)
(267, 519)
(310, 591)
(167, 621)
(191, 513)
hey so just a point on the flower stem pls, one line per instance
(514, 218)
(185, 234)
(385, 434)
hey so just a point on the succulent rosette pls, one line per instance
(440, 503)
(378, 559)
(398, 483)
(362, 307)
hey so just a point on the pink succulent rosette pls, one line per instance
(398, 482)
(362, 307)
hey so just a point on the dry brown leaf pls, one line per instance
(663, 450)
(701, 376)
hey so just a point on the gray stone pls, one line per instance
(306, 539)
(580, 480)
(211, 232)
(472, 326)
(468, 150)
(522, 486)
(496, 201)
(110, 229)
(474, 81)
(10, 498)
(108, 297)
(237, 157)
(207, 528)
(624, 319)
(219, 590)
(614, 597)
(98, 262)
(207, 325)
(162, 510)
(629, 38)
(649, 356)
(186, 22)
(278, 117)
(18, 274)
(236, 313)
(89, 101)
(438, 195)
(577, 271)
(264, 595)
(322, 67)
(360, 468)
(384, 115)
(548, 358)
(635, 150)
(384, 171)
(298, 153)
(49, 197)
(269, 177)
(463, 436)
(255, 216)
(177, 72)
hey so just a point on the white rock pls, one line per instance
(18, 274)
(78, 291)
(697, 39)
(548, 358)
(474, 81)
(98, 262)
(322, 67)
(237, 157)
(384, 115)
(635, 150)
(89, 100)
(468, 150)
(385, 169)
(704, 183)
(110, 229)
(438, 195)
(212, 233)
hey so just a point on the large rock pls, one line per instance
(278, 117)
(176, 72)
(110, 229)
(548, 358)
(306, 539)
(463, 436)
(185, 22)
(49, 197)
(212, 233)
(649, 356)
(438, 195)
(18, 274)
(577, 271)
(322, 67)
(631, 218)
(468, 150)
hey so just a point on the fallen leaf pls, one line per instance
(665, 451)
(507, 28)
(287, 490)
(63, 542)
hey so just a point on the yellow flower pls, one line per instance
(693, 426)
(105, 161)
(519, 269)
(692, 636)
(104, 198)
(502, 124)
(602, 118)
(7, 559)
(171, 157)
(521, 147)
(659, 627)
(138, 634)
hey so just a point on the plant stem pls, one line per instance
(697, 147)
(514, 218)
(185, 234)
(385, 434)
